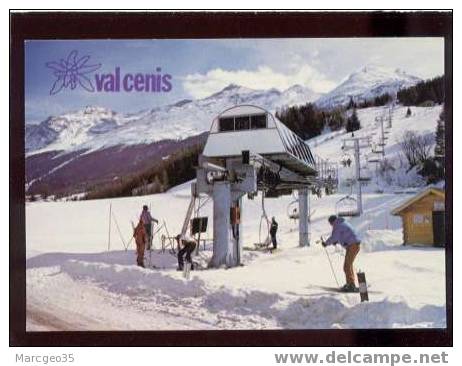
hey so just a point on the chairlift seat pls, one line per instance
(294, 216)
(352, 213)
(346, 206)
(292, 210)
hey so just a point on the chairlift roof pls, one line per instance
(248, 127)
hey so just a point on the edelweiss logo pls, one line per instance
(74, 71)
(71, 72)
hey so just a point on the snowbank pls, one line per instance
(224, 307)
(327, 312)
(378, 240)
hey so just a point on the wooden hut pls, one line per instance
(423, 218)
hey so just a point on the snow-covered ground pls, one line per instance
(422, 120)
(74, 282)
(72, 277)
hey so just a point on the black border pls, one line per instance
(268, 24)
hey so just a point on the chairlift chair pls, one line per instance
(349, 182)
(373, 160)
(345, 160)
(376, 150)
(365, 175)
(364, 144)
(347, 207)
(292, 210)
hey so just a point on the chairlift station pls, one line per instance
(249, 150)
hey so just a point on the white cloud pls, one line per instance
(264, 77)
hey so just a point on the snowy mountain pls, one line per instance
(83, 148)
(368, 82)
(94, 128)
(96, 145)
(71, 129)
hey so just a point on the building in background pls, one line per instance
(423, 218)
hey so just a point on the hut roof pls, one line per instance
(417, 197)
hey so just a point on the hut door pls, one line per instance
(439, 234)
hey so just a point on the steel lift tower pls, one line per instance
(249, 150)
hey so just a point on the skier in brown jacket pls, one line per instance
(141, 238)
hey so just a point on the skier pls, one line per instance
(147, 220)
(139, 233)
(273, 231)
(344, 234)
(187, 246)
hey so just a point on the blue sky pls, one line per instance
(202, 67)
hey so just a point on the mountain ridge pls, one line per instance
(95, 127)
(366, 83)
(76, 148)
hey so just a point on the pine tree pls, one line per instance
(440, 149)
(353, 123)
(408, 112)
(424, 92)
(351, 103)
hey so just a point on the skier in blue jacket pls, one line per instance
(344, 234)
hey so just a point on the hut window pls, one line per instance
(226, 124)
(420, 219)
(438, 206)
(258, 121)
(243, 123)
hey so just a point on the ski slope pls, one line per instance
(75, 283)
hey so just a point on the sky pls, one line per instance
(199, 68)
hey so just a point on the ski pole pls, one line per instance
(330, 263)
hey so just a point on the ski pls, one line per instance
(340, 291)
